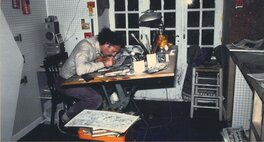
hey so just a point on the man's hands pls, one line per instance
(108, 61)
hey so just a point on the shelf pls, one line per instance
(45, 97)
(207, 85)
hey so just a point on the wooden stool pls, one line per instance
(207, 88)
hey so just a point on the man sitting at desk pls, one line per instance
(89, 55)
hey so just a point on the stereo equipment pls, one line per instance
(51, 31)
(54, 41)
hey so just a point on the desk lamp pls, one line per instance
(150, 16)
(152, 19)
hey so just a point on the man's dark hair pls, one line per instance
(110, 37)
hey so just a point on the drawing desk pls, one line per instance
(118, 81)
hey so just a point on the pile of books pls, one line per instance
(231, 134)
(100, 132)
(102, 123)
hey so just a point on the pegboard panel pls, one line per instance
(70, 15)
(242, 102)
(31, 28)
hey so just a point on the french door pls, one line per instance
(186, 22)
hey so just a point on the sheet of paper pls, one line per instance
(113, 121)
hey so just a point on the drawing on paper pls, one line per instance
(113, 121)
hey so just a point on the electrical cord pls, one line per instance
(66, 34)
(149, 128)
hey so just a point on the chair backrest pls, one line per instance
(52, 66)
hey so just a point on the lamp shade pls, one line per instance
(149, 16)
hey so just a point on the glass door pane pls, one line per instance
(127, 12)
(201, 23)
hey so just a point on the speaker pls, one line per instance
(51, 29)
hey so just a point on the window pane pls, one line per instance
(119, 5)
(155, 4)
(132, 20)
(193, 19)
(195, 4)
(169, 19)
(169, 4)
(208, 19)
(207, 37)
(120, 20)
(132, 41)
(132, 5)
(123, 33)
(193, 37)
(208, 3)
(170, 36)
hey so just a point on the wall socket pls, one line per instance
(18, 37)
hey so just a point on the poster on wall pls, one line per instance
(16, 4)
(91, 6)
(25, 7)
(85, 25)
(87, 34)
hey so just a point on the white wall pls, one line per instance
(242, 102)
(22, 103)
(11, 64)
(28, 112)
(69, 16)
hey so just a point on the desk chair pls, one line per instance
(207, 88)
(52, 65)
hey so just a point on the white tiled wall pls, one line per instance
(31, 28)
(69, 16)
(242, 102)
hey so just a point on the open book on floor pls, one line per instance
(107, 120)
